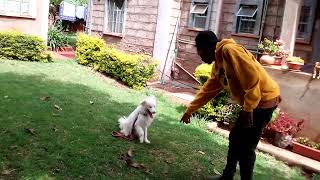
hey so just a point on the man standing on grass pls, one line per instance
(236, 70)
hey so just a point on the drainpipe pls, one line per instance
(218, 17)
(89, 17)
(265, 8)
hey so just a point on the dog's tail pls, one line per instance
(125, 126)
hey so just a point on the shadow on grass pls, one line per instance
(39, 140)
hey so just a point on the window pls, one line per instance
(306, 21)
(248, 17)
(199, 14)
(115, 16)
(19, 8)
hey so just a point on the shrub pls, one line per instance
(218, 108)
(268, 46)
(132, 69)
(71, 39)
(203, 72)
(17, 46)
(306, 141)
(56, 37)
(285, 125)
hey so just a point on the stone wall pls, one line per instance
(187, 53)
(272, 24)
(140, 25)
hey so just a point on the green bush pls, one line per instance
(56, 37)
(133, 70)
(218, 109)
(71, 39)
(17, 46)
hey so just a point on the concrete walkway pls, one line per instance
(185, 94)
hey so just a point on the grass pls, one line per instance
(40, 142)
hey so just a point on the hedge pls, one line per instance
(18, 46)
(219, 108)
(132, 69)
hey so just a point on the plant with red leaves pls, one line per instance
(285, 125)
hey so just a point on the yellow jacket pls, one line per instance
(236, 70)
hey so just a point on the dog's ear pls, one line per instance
(144, 103)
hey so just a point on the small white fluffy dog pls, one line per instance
(138, 122)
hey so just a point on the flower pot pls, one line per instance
(282, 140)
(306, 151)
(278, 60)
(267, 59)
(294, 66)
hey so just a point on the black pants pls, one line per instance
(242, 145)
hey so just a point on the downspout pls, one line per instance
(218, 17)
(275, 28)
(89, 17)
(265, 8)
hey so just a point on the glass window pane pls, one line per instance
(199, 22)
(247, 11)
(246, 25)
(115, 17)
(303, 22)
(199, 9)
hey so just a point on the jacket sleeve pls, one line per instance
(208, 91)
(247, 72)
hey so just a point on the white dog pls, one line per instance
(138, 122)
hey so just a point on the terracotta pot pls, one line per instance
(267, 59)
(306, 151)
(294, 66)
(278, 60)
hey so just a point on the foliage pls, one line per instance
(295, 59)
(268, 46)
(275, 114)
(203, 72)
(285, 125)
(218, 108)
(132, 69)
(228, 113)
(18, 46)
(71, 39)
(306, 141)
(56, 37)
(75, 142)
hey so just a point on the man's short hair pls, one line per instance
(206, 39)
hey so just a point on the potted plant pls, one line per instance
(269, 49)
(306, 147)
(295, 63)
(282, 130)
(281, 55)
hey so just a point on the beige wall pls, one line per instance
(300, 100)
(37, 26)
(140, 25)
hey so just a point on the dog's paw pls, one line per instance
(147, 141)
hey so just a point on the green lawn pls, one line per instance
(40, 142)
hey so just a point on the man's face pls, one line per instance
(207, 55)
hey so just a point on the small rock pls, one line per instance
(212, 125)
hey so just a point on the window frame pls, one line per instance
(192, 15)
(106, 20)
(257, 14)
(31, 14)
(310, 24)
